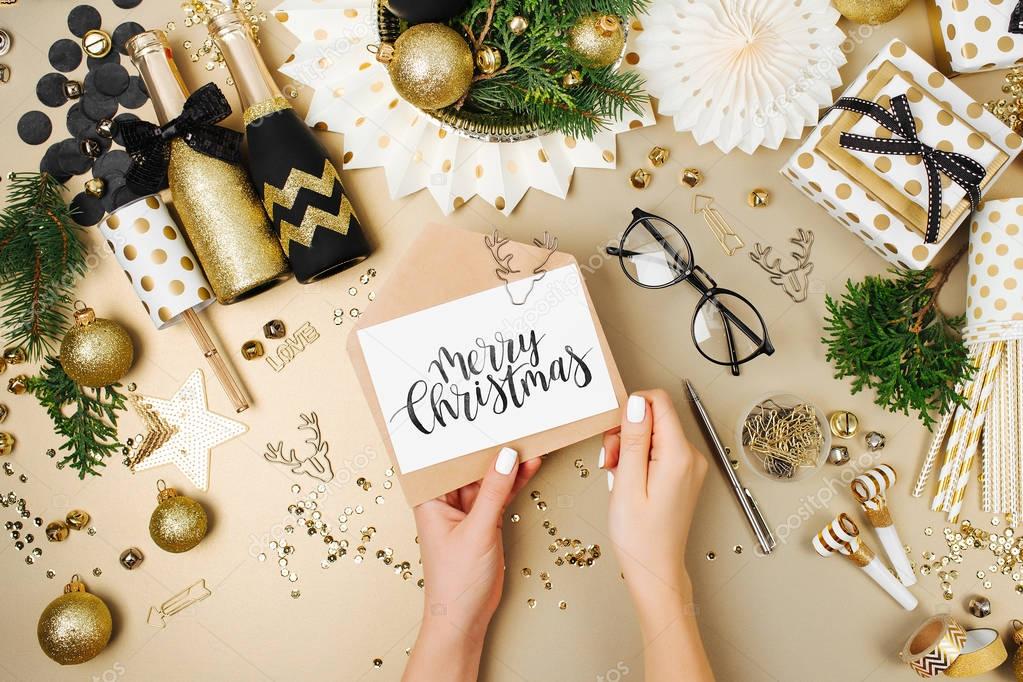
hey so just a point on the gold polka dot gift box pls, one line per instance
(975, 35)
(154, 256)
(994, 290)
(902, 156)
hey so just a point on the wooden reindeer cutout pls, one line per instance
(795, 280)
(317, 464)
(519, 290)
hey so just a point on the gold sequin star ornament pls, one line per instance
(182, 431)
(178, 523)
(75, 627)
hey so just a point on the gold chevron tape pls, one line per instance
(314, 217)
(934, 646)
(983, 652)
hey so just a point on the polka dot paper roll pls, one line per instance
(157, 260)
(974, 34)
(861, 212)
(994, 289)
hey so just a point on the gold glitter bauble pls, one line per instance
(597, 39)
(96, 352)
(431, 65)
(178, 523)
(870, 11)
(75, 627)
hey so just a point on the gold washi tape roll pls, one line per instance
(934, 646)
(982, 652)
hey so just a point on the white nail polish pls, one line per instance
(610, 481)
(600, 459)
(506, 461)
(635, 409)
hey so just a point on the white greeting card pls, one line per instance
(485, 369)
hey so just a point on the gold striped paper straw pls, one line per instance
(969, 394)
(972, 436)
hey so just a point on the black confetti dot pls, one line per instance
(112, 163)
(124, 196)
(135, 96)
(71, 159)
(127, 4)
(78, 124)
(98, 106)
(86, 210)
(125, 32)
(50, 163)
(118, 120)
(112, 79)
(65, 55)
(82, 19)
(50, 89)
(112, 57)
(114, 183)
(34, 127)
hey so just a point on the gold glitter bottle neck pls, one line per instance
(256, 87)
(151, 53)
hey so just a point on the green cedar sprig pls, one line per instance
(41, 256)
(529, 84)
(89, 427)
(888, 335)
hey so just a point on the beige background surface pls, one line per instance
(792, 616)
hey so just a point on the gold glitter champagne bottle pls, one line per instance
(301, 189)
(214, 199)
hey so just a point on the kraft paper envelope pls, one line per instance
(442, 267)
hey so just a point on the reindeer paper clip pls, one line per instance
(519, 290)
(795, 280)
(842, 536)
(869, 488)
(730, 242)
(317, 464)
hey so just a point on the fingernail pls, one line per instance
(506, 461)
(610, 481)
(635, 410)
(600, 459)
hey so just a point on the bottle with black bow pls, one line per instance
(299, 185)
(212, 193)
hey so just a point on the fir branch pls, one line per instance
(41, 256)
(89, 429)
(889, 335)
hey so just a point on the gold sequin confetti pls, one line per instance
(531, 603)
(737, 549)
(515, 518)
(378, 663)
(562, 605)
(711, 556)
(526, 572)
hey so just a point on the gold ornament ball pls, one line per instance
(75, 627)
(431, 65)
(597, 39)
(178, 523)
(96, 352)
(870, 11)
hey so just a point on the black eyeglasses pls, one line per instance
(655, 254)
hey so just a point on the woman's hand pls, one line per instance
(463, 568)
(655, 476)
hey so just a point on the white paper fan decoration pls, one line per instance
(741, 73)
(353, 95)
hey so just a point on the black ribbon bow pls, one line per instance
(1016, 20)
(150, 145)
(960, 168)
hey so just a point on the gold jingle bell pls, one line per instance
(178, 523)
(77, 519)
(15, 355)
(758, 198)
(690, 177)
(488, 59)
(572, 78)
(57, 531)
(75, 627)
(518, 25)
(6, 443)
(844, 424)
(18, 384)
(96, 187)
(252, 350)
(641, 178)
(97, 43)
(658, 156)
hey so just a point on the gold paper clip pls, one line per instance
(719, 227)
(192, 594)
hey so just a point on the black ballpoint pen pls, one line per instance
(742, 493)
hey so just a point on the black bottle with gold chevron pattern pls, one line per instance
(295, 178)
